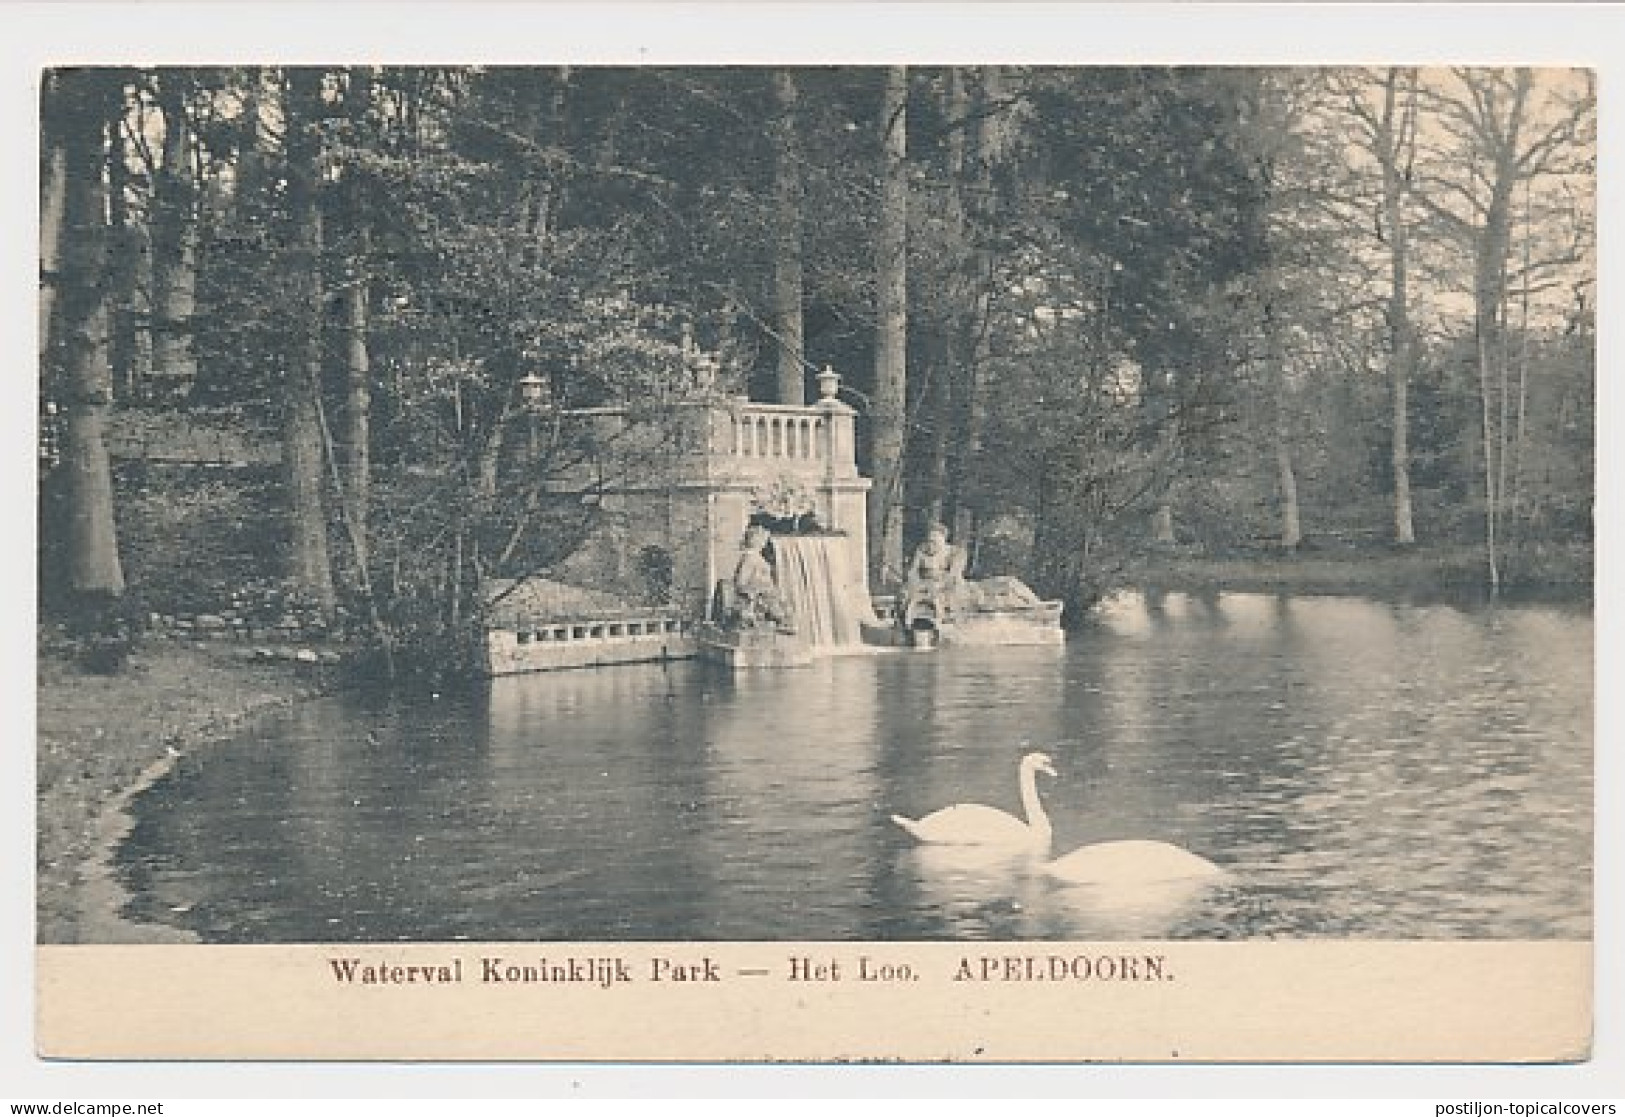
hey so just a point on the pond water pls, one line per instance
(1360, 770)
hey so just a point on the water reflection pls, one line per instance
(1359, 768)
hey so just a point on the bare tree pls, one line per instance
(1499, 130)
(1386, 120)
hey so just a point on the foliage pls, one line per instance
(1130, 288)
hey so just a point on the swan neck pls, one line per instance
(1036, 816)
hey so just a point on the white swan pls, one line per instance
(1130, 863)
(971, 824)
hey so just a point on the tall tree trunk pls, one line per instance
(1521, 444)
(1404, 516)
(1491, 497)
(967, 451)
(1393, 134)
(1504, 420)
(939, 402)
(971, 389)
(887, 414)
(174, 242)
(1489, 298)
(528, 210)
(1044, 560)
(310, 568)
(956, 324)
(129, 274)
(1291, 521)
(1285, 473)
(53, 199)
(1159, 389)
(80, 105)
(357, 473)
(1503, 167)
(250, 179)
(553, 197)
(787, 278)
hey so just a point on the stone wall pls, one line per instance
(693, 533)
(195, 436)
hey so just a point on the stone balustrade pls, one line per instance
(521, 644)
(741, 439)
(794, 434)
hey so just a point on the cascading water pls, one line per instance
(824, 592)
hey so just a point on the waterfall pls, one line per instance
(828, 597)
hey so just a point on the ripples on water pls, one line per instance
(1360, 769)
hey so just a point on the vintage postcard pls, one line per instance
(1012, 561)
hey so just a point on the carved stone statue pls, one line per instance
(935, 586)
(753, 600)
(1003, 593)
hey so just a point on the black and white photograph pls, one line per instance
(1002, 505)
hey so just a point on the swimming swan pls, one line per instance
(971, 824)
(1130, 862)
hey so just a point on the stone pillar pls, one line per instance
(839, 443)
(843, 492)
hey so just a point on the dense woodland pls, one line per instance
(1088, 316)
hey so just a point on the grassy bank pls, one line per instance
(1446, 571)
(102, 736)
